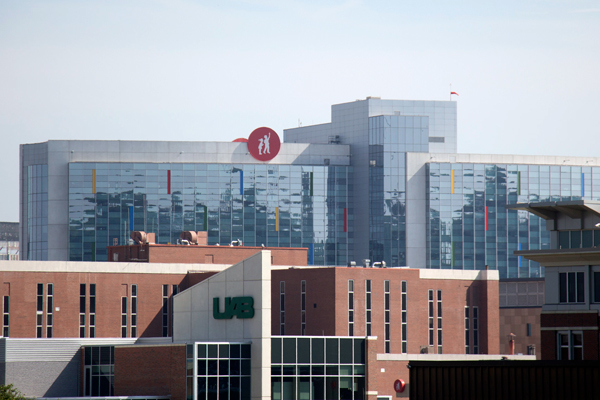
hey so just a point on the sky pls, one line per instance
(527, 72)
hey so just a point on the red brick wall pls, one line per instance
(163, 253)
(328, 288)
(320, 301)
(151, 371)
(383, 382)
(571, 319)
(489, 307)
(591, 345)
(109, 289)
(549, 349)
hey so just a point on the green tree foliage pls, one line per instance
(9, 392)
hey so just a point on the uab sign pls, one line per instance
(241, 307)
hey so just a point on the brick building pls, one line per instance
(153, 328)
(453, 312)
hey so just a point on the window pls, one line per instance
(596, 287)
(350, 307)
(475, 330)
(49, 307)
(6, 320)
(368, 306)
(528, 329)
(314, 368)
(302, 308)
(386, 287)
(404, 307)
(570, 345)
(99, 371)
(222, 371)
(467, 331)
(430, 317)
(439, 321)
(124, 316)
(40, 311)
(133, 311)
(82, 292)
(571, 287)
(175, 290)
(92, 310)
(282, 308)
(165, 310)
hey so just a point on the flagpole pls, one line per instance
(450, 92)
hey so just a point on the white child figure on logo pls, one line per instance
(266, 143)
(260, 146)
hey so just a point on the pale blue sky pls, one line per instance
(528, 72)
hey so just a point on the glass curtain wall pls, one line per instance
(469, 226)
(219, 371)
(37, 212)
(274, 205)
(317, 368)
(390, 137)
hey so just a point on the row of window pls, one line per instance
(386, 310)
(571, 287)
(302, 307)
(578, 239)
(87, 311)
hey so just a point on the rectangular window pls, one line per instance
(92, 310)
(49, 308)
(404, 307)
(98, 371)
(467, 331)
(175, 290)
(475, 330)
(39, 323)
(431, 331)
(596, 287)
(571, 287)
(387, 334)
(133, 311)
(350, 307)
(528, 329)
(6, 319)
(570, 345)
(282, 308)
(82, 293)
(368, 308)
(124, 317)
(302, 308)
(165, 310)
(439, 321)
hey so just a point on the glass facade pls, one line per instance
(218, 371)
(469, 226)
(37, 212)
(390, 137)
(99, 371)
(317, 368)
(274, 205)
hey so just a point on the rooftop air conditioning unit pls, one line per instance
(426, 350)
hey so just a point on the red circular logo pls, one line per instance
(263, 144)
(399, 385)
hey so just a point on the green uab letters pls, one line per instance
(241, 307)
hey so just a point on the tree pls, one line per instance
(9, 392)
